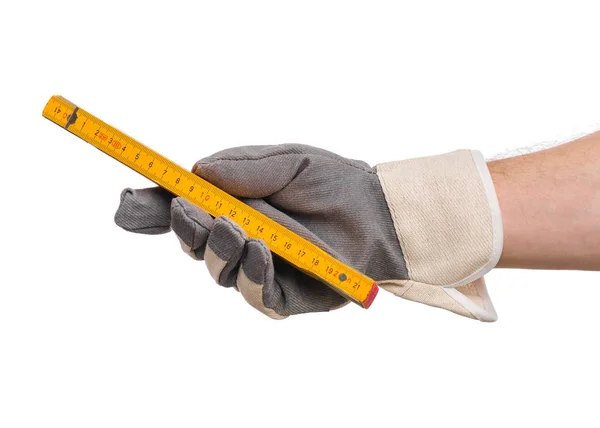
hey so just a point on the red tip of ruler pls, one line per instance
(371, 296)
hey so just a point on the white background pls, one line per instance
(101, 328)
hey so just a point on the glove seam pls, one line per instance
(265, 257)
(195, 221)
(194, 237)
(457, 302)
(394, 215)
(197, 166)
(145, 228)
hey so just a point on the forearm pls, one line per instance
(550, 204)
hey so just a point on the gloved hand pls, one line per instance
(425, 229)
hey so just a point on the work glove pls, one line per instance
(425, 229)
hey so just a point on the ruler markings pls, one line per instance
(291, 247)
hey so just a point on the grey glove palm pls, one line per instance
(334, 202)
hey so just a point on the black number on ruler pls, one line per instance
(219, 204)
(356, 286)
(150, 164)
(137, 156)
(97, 132)
(191, 189)
(260, 229)
(273, 237)
(315, 262)
(329, 270)
(164, 172)
(246, 221)
(178, 179)
(287, 245)
(84, 122)
(232, 213)
(301, 253)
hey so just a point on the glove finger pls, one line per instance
(294, 292)
(145, 210)
(260, 171)
(224, 250)
(255, 278)
(278, 289)
(192, 226)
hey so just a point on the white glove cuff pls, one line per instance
(447, 220)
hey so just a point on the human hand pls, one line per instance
(336, 203)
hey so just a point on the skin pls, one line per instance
(550, 204)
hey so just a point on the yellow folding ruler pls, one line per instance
(293, 248)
